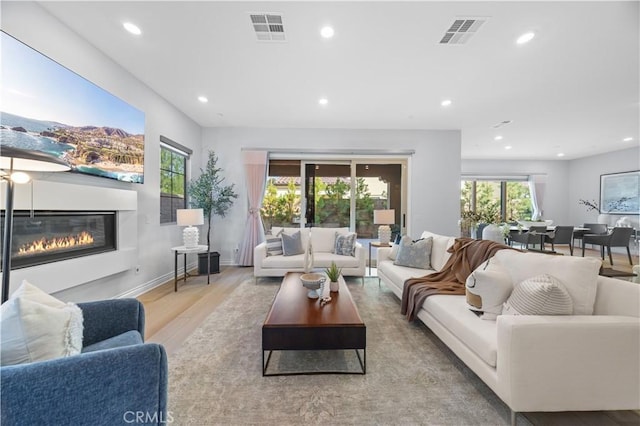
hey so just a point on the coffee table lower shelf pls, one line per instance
(361, 359)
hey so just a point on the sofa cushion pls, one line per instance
(439, 253)
(323, 260)
(304, 232)
(539, 295)
(578, 274)
(274, 245)
(292, 244)
(284, 262)
(414, 254)
(324, 239)
(399, 274)
(129, 338)
(452, 312)
(487, 288)
(35, 326)
(345, 244)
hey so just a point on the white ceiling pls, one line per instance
(573, 89)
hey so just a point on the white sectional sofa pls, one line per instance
(539, 363)
(319, 253)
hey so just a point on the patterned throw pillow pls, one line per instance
(345, 244)
(539, 295)
(274, 245)
(292, 244)
(487, 288)
(415, 254)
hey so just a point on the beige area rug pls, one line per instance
(412, 378)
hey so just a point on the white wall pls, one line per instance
(584, 180)
(434, 169)
(32, 25)
(556, 171)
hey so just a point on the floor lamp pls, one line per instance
(13, 163)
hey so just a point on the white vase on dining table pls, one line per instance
(493, 232)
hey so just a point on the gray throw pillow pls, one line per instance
(292, 244)
(415, 254)
(274, 245)
(345, 244)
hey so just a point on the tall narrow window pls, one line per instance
(173, 178)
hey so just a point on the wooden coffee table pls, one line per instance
(296, 322)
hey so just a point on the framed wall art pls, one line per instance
(620, 193)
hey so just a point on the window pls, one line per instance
(494, 200)
(173, 178)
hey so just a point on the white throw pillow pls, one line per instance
(540, 295)
(487, 288)
(578, 274)
(35, 326)
(323, 240)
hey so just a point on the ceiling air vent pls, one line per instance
(268, 26)
(461, 30)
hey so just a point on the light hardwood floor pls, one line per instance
(172, 316)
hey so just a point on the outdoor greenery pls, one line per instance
(488, 203)
(208, 192)
(332, 203)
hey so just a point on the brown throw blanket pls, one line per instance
(467, 255)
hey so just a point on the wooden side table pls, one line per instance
(376, 244)
(184, 251)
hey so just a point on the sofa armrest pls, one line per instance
(361, 254)
(259, 254)
(108, 318)
(569, 363)
(97, 388)
(383, 253)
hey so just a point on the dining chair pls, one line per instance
(618, 237)
(561, 235)
(532, 236)
(593, 228)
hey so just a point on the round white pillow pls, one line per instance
(540, 295)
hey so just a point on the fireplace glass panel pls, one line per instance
(54, 236)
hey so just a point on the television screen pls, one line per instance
(47, 107)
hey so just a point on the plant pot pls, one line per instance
(334, 286)
(214, 266)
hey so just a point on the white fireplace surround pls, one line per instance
(57, 276)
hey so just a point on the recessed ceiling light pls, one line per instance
(323, 101)
(498, 138)
(203, 99)
(525, 38)
(327, 32)
(132, 28)
(561, 154)
(507, 147)
(627, 139)
(446, 102)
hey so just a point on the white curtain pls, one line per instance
(255, 166)
(537, 184)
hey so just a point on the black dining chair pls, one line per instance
(594, 228)
(561, 235)
(530, 237)
(618, 237)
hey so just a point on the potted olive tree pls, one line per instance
(209, 193)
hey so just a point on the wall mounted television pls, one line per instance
(47, 107)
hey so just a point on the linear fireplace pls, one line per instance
(51, 236)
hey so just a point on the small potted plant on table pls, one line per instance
(333, 273)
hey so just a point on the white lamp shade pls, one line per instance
(384, 217)
(189, 217)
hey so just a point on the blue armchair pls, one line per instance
(115, 380)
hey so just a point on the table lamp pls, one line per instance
(384, 218)
(188, 218)
(13, 163)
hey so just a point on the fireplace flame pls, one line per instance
(46, 245)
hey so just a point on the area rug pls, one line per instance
(412, 378)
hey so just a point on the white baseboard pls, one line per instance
(145, 287)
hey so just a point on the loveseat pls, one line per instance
(319, 251)
(540, 362)
(115, 380)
